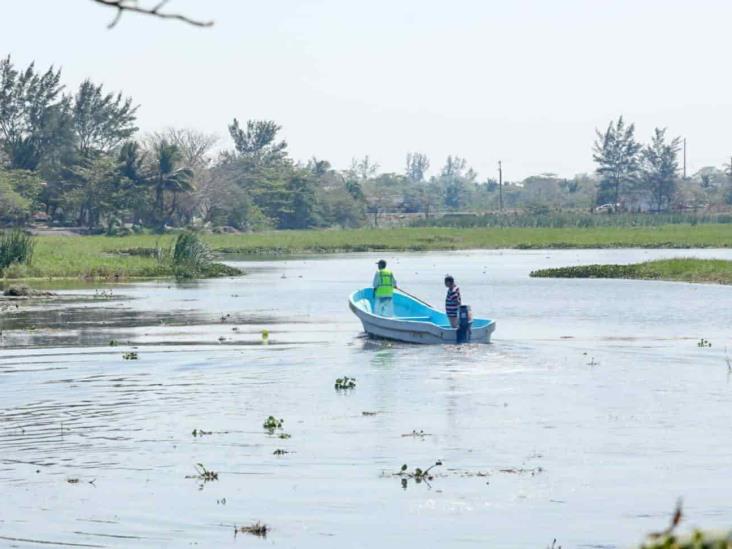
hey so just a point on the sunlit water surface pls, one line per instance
(589, 415)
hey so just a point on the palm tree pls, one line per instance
(166, 176)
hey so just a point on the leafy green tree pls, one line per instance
(96, 191)
(14, 208)
(455, 193)
(224, 203)
(616, 153)
(26, 183)
(264, 183)
(338, 207)
(417, 166)
(34, 116)
(354, 188)
(319, 168)
(101, 122)
(454, 167)
(384, 194)
(258, 141)
(455, 178)
(302, 211)
(659, 168)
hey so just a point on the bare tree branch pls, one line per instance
(132, 5)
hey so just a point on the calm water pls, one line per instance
(590, 414)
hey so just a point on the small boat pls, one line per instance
(414, 321)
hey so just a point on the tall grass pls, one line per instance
(189, 250)
(138, 256)
(15, 247)
(571, 219)
(191, 257)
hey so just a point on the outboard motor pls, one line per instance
(465, 321)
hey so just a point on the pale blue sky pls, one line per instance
(525, 81)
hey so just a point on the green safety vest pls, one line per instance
(386, 284)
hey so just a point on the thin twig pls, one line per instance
(131, 5)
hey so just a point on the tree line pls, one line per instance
(76, 158)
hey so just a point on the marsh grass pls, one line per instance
(572, 219)
(718, 271)
(190, 255)
(448, 238)
(146, 256)
(15, 247)
(111, 258)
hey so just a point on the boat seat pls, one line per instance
(364, 304)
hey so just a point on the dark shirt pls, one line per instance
(452, 301)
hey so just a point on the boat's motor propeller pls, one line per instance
(465, 320)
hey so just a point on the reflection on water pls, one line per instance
(590, 414)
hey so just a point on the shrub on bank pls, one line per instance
(15, 247)
(191, 257)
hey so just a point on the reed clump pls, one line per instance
(16, 246)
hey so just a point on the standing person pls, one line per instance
(452, 301)
(384, 284)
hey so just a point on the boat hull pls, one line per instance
(422, 324)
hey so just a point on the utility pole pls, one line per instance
(500, 185)
(684, 157)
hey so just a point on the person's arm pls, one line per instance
(393, 278)
(375, 283)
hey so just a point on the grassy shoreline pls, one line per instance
(102, 258)
(711, 271)
(435, 238)
(132, 257)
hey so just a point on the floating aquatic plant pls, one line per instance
(272, 423)
(256, 529)
(418, 475)
(344, 383)
(522, 471)
(131, 355)
(417, 434)
(703, 343)
(203, 474)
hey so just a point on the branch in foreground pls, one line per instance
(131, 5)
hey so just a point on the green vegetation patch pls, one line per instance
(117, 258)
(447, 238)
(718, 271)
(149, 256)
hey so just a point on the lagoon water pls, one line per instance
(591, 413)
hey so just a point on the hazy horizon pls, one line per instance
(525, 83)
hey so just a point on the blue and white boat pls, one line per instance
(413, 321)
